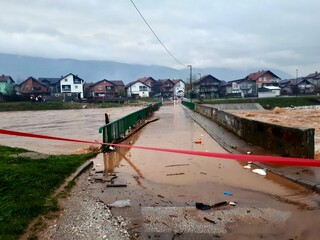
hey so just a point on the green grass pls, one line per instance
(28, 106)
(26, 187)
(270, 103)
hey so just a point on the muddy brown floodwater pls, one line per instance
(303, 118)
(164, 187)
(78, 124)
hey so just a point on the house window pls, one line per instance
(66, 80)
(100, 87)
(66, 88)
(142, 88)
(76, 86)
(108, 87)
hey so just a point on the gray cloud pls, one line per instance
(233, 34)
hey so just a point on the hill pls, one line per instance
(20, 67)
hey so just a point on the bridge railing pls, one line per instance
(117, 129)
(188, 104)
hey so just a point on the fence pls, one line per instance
(189, 105)
(117, 129)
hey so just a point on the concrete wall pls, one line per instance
(285, 141)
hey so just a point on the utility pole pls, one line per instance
(190, 66)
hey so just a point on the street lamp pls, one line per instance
(190, 66)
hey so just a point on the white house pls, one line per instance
(138, 88)
(269, 91)
(72, 84)
(178, 88)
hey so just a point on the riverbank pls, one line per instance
(28, 181)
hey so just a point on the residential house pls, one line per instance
(166, 88)
(314, 78)
(208, 86)
(264, 78)
(179, 88)
(71, 85)
(152, 83)
(105, 89)
(244, 87)
(231, 88)
(296, 86)
(53, 84)
(119, 87)
(32, 86)
(6, 85)
(138, 89)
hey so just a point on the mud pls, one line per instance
(154, 188)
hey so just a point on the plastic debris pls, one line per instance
(198, 141)
(248, 166)
(232, 203)
(261, 172)
(228, 193)
(121, 203)
(202, 206)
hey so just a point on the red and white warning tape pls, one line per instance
(239, 157)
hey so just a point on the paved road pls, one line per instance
(164, 187)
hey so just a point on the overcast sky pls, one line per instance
(236, 34)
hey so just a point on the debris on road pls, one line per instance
(202, 206)
(209, 220)
(116, 185)
(261, 172)
(248, 166)
(121, 203)
(178, 165)
(174, 174)
(228, 193)
(199, 141)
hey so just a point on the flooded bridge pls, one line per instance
(165, 190)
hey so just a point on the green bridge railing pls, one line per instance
(188, 104)
(117, 129)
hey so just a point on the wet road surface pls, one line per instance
(164, 187)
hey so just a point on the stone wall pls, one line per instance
(285, 141)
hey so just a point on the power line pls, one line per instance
(156, 35)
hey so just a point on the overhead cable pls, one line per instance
(156, 35)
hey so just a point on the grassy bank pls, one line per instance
(270, 103)
(27, 184)
(28, 106)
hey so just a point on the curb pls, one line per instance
(84, 167)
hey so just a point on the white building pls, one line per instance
(138, 88)
(72, 84)
(269, 91)
(178, 88)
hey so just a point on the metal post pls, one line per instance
(190, 66)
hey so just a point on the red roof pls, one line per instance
(257, 75)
